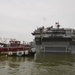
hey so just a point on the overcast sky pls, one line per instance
(18, 18)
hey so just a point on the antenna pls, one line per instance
(57, 25)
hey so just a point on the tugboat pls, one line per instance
(55, 40)
(15, 48)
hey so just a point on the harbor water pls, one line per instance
(40, 64)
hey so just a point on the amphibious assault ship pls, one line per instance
(56, 39)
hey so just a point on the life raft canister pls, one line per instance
(20, 53)
(10, 53)
(33, 50)
(26, 52)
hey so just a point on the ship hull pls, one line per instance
(16, 51)
(56, 45)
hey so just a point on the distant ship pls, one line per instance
(15, 48)
(56, 39)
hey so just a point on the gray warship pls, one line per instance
(54, 40)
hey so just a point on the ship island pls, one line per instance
(54, 39)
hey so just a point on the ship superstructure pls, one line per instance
(56, 39)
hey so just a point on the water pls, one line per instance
(41, 64)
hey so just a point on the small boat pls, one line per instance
(15, 48)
